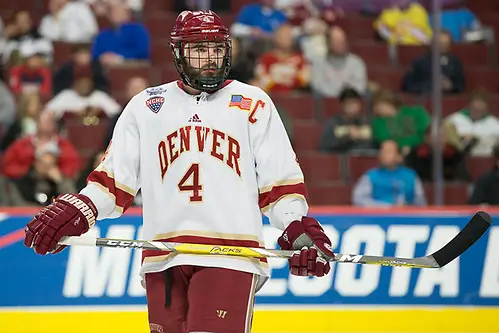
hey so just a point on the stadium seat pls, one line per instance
(297, 106)
(306, 135)
(169, 74)
(483, 78)
(85, 137)
(406, 54)
(357, 27)
(477, 166)
(372, 52)
(455, 194)
(119, 76)
(328, 107)
(319, 167)
(161, 53)
(357, 165)
(62, 53)
(470, 54)
(389, 78)
(329, 194)
(160, 24)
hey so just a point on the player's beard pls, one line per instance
(208, 70)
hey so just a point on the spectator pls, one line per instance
(29, 109)
(462, 24)
(21, 36)
(32, 76)
(486, 188)
(42, 183)
(283, 69)
(21, 155)
(83, 101)
(405, 23)
(126, 40)
(101, 7)
(81, 65)
(301, 12)
(258, 20)
(476, 123)
(348, 130)
(7, 109)
(390, 184)
(215, 5)
(454, 152)
(418, 79)
(134, 86)
(406, 125)
(340, 69)
(242, 63)
(69, 22)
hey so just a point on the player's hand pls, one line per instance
(313, 247)
(68, 215)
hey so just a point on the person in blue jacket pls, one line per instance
(390, 184)
(125, 40)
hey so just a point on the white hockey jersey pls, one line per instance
(207, 167)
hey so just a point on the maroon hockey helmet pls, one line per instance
(201, 49)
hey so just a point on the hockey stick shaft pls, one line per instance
(475, 228)
(238, 251)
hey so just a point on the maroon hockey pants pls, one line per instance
(200, 299)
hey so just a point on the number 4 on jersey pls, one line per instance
(193, 186)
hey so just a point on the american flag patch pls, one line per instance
(155, 103)
(241, 102)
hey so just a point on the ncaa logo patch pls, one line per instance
(155, 103)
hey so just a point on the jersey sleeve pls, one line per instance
(282, 193)
(113, 184)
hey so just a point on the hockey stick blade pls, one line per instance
(477, 226)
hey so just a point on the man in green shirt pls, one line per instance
(406, 125)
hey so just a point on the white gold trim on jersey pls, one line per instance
(119, 185)
(117, 208)
(269, 188)
(284, 196)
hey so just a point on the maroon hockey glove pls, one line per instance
(313, 247)
(68, 215)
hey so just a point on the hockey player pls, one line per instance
(209, 156)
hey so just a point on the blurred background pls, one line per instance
(392, 107)
(388, 102)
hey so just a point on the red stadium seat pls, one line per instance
(478, 166)
(161, 54)
(357, 165)
(169, 74)
(87, 137)
(62, 53)
(357, 27)
(483, 78)
(299, 106)
(319, 168)
(329, 107)
(329, 194)
(306, 135)
(470, 54)
(373, 53)
(389, 78)
(160, 24)
(406, 54)
(455, 194)
(119, 76)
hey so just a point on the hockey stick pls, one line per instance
(475, 228)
